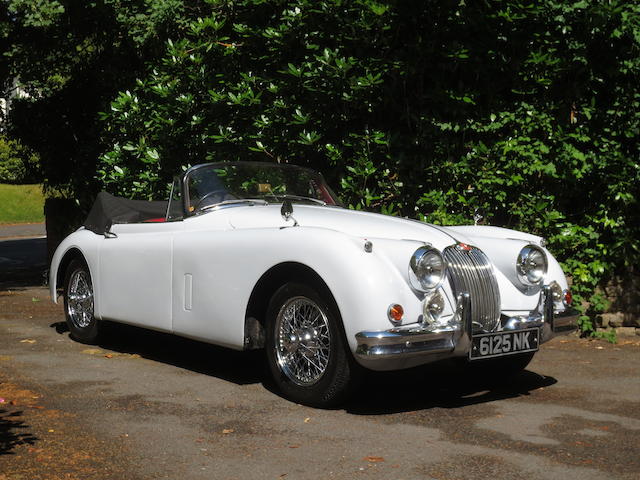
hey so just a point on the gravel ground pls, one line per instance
(145, 405)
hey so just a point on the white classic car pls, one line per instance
(259, 255)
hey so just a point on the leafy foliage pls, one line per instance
(526, 111)
(71, 58)
(17, 163)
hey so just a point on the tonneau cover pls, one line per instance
(108, 209)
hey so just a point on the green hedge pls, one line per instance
(17, 164)
(525, 111)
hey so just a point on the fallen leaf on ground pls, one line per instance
(374, 459)
(307, 420)
(108, 355)
(27, 340)
(228, 430)
(294, 446)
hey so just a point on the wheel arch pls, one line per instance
(66, 259)
(265, 288)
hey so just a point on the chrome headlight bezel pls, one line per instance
(531, 265)
(427, 269)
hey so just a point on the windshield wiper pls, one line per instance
(250, 201)
(300, 197)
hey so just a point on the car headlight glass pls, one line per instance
(433, 307)
(531, 265)
(426, 269)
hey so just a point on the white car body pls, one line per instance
(209, 276)
(194, 277)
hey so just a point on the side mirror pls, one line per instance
(287, 211)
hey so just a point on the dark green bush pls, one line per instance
(526, 111)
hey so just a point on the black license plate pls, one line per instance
(489, 345)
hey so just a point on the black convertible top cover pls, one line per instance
(108, 210)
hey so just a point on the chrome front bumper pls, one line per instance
(413, 345)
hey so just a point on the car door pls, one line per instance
(135, 271)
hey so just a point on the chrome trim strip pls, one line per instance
(416, 340)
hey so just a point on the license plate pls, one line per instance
(489, 345)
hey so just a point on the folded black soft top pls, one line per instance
(108, 210)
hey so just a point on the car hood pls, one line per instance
(371, 225)
(351, 222)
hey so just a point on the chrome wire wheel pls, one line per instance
(80, 299)
(303, 341)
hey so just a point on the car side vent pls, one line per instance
(470, 271)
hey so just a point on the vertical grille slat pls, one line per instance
(470, 271)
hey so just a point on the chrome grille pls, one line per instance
(470, 271)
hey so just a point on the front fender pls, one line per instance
(84, 243)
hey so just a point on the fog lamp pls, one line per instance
(433, 307)
(556, 292)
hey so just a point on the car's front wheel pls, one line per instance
(78, 303)
(306, 350)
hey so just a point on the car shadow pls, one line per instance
(235, 366)
(441, 384)
(438, 385)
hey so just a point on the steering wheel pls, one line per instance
(207, 195)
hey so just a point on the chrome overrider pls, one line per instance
(419, 344)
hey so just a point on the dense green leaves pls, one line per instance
(527, 112)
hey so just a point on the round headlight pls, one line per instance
(426, 269)
(531, 265)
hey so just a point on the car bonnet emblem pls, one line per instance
(464, 247)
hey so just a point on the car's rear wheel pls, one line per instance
(78, 303)
(306, 350)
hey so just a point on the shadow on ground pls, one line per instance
(437, 385)
(23, 263)
(238, 367)
(13, 432)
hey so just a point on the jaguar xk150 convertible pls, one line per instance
(260, 255)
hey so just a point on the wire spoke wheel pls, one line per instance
(78, 303)
(80, 299)
(303, 340)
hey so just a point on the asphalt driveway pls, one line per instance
(145, 405)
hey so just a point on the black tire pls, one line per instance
(78, 303)
(314, 346)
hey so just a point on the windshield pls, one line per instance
(223, 183)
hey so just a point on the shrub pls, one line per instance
(528, 112)
(17, 164)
